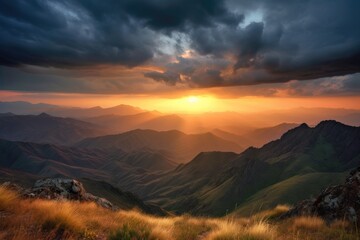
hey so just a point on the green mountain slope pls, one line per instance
(289, 191)
(302, 156)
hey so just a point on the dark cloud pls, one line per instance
(179, 15)
(71, 81)
(291, 40)
(233, 42)
(194, 70)
(65, 34)
(168, 77)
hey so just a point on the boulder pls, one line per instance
(64, 189)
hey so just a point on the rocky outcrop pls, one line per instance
(60, 189)
(335, 202)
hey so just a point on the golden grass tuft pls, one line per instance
(225, 230)
(7, 199)
(190, 228)
(63, 215)
(308, 223)
(271, 214)
(260, 231)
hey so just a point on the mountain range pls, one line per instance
(238, 123)
(300, 163)
(303, 161)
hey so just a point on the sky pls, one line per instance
(182, 55)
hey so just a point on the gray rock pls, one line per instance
(64, 189)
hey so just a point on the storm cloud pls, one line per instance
(200, 43)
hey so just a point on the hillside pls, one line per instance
(24, 163)
(44, 160)
(302, 161)
(182, 147)
(44, 128)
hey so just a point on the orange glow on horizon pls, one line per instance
(184, 104)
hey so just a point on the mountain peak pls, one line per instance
(296, 131)
(302, 126)
(44, 115)
(328, 123)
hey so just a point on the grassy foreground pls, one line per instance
(42, 219)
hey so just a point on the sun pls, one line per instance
(192, 99)
(188, 104)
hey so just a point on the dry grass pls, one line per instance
(308, 223)
(233, 230)
(40, 219)
(261, 230)
(6, 198)
(272, 213)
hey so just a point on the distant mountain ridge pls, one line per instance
(44, 128)
(257, 137)
(77, 112)
(183, 147)
(21, 107)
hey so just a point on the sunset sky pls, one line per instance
(182, 55)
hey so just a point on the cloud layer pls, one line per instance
(197, 43)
